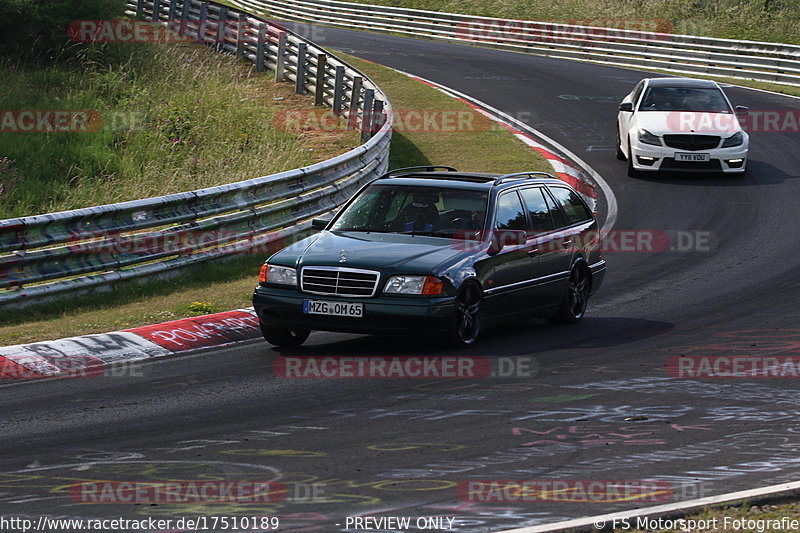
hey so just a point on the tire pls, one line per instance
(620, 153)
(284, 337)
(466, 324)
(573, 306)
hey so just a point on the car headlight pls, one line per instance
(277, 274)
(427, 285)
(734, 140)
(648, 138)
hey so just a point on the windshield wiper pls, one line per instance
(414, 232)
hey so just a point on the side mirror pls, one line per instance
(741, 110)
(320, 223)
(506, 237)
(626, 106)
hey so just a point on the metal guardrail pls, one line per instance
(772, 62)
(74, 251)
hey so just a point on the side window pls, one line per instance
(572, 205)
(538, 210)
(555, 212)
(509, 213)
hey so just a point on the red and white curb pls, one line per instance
(75, 356)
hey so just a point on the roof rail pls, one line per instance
(523, 175)
(426, 168)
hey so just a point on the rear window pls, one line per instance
(572, 205)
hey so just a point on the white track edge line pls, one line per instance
(598, 522)
(761, 90)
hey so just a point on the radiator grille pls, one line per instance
(692, 142)
(339, 281)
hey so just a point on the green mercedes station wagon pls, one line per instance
(431, 249)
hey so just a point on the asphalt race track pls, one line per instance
(594, 403)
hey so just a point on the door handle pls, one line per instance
(566, 243)
(533, 251)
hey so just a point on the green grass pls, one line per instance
(766, 512)
(759, 20)
(229, 285)
(175, 118)
(480, 146)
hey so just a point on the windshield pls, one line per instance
(710, 100)
(416, 210)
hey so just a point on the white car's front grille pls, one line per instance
(692, 142)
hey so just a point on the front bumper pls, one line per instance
(382, 314)
(648, 157)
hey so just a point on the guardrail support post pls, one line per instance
(201, 24)
(173, 5)
(222, 24)
(240, 32)
(338, 90)
(261, 47)
(156, 10)
(300, 79)
(280, 74)
(366, 115)
(184, 27)
(378, 116)
(139, 9)
(355, 96)
(185, 7)
(319, 85)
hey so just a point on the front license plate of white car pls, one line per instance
(321, 307)
(692, 157)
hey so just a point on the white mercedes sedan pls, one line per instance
(683, 125)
